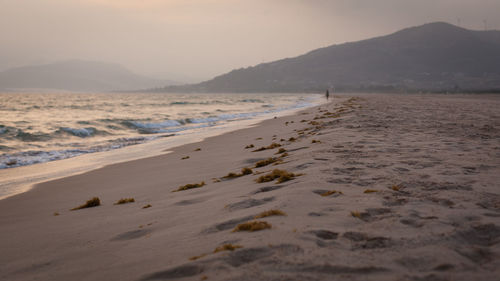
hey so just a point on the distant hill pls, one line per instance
(434, 57)
(75, 75)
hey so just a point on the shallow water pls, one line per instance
(37, 128)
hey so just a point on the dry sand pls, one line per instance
(431, 161)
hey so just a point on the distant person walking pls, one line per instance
(327, 94)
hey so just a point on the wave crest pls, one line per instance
(81, 132)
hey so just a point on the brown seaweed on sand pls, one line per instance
(94, 202)
(125, 201)
(252, 226)
(270, 213)
(271, 146)
(189, 186)
(265, 162)
(245, 171)
(281, 175)
(227, 247)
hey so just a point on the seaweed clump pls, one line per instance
(281, 175)
(271, 146)
(270, 213)
(94, 202)
(356, 214)
(227, 247)
(265, 162)
(396, 187)
(147, 206)
(197, 257)
(370, 191)
(252, 226)
(330, 192)
(249, 146)
(244, 171)
(190, 186)
(125, 201)
(231, 176)
(281, 150)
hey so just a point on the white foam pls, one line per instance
(82, 132)
(164, 124)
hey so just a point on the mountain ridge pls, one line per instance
(75, 75)
(431, 57)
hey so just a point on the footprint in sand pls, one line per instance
(129, 235)
(176, 272)
(364, 241)
(372, 214)
(190, 201)
(235, 260)
(229, 224)
(267, 189)
(249, 203)
(327, 193)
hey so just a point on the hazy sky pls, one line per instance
(199, 39)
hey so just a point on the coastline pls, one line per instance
(405, 179)
(22, 179)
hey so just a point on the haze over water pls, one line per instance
(36, 128)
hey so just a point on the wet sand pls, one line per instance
(386, 187)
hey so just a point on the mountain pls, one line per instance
(75, 75)
(433, 57)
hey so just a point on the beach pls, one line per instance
(368, 187)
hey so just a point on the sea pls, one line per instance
(37, 128)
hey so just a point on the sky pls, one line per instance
(195, 40)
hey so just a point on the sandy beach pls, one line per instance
(369, 187)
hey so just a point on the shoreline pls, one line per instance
(412, 180)
(15, 178)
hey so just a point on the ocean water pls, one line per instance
(37, 128)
